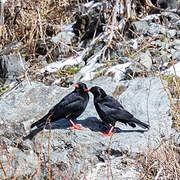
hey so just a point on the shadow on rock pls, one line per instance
(98, 126)
(60, 124)
(118, 130)
(91, 122)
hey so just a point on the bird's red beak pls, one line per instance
(86, 90)
(76, 85)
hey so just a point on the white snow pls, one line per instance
(55, 66)
(89, 71)
(174, 69)
(92, 4)
(3, 1)
(97, 4)
(118, 71)
(89, 4)
(57, 81)
(135, 44)
(150, 17)
(67, 27)
(64, 37)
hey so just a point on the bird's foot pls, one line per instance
(110, 132)
(75, 126)
(107, 134)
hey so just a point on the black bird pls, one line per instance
(70, 107)
(110, 110)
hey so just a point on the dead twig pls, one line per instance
(24, 67)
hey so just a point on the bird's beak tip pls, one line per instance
(86, 90)
(76, 85)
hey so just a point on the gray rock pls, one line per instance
(157, 43)
(118, 72)
(13, 46)
(120, 171)
(172, 51)
(152, 18)
(176, 55)
(145, 59)
(22, 163)
(176, 44)
(172, 3)
(63, 37)
(177, 137)
(135, 69)
(11, 68)
(42, 61)
(165, 46)
(151, 103)
(156, 29)
(176, 49)
(72, 154)
(161, 60)
(141, 26)
(171, 19)
(171, 33)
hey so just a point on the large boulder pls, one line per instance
(11, 67)
(74, 154)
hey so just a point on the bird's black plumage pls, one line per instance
(70, 107)
(110, 110)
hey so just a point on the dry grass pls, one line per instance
(30, 21)
(161, 162)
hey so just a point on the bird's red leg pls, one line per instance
(74, 126)
(109, 133)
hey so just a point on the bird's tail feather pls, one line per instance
(139, 123)
(132, 124)
(40, 122)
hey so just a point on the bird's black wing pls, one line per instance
(68, 105)
(113, 102)
(111, 111)
(113, 108)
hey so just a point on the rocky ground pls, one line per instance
(76, 151)
(134, 58)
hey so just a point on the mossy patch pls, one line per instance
(3, 89)
(68, 71)
(171, 79)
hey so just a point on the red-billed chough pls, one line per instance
(110, 110)
(70, 107)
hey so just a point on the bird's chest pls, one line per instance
(100, 111)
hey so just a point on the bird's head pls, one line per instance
(97, 91)
(81, 87)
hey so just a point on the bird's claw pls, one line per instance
(75, 126)
(107, 134)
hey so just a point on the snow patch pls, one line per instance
(118, 71)
(175, 69)
(67, 27)
(89, 71)
(55, 66)
(151, 17)
(89, 4)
